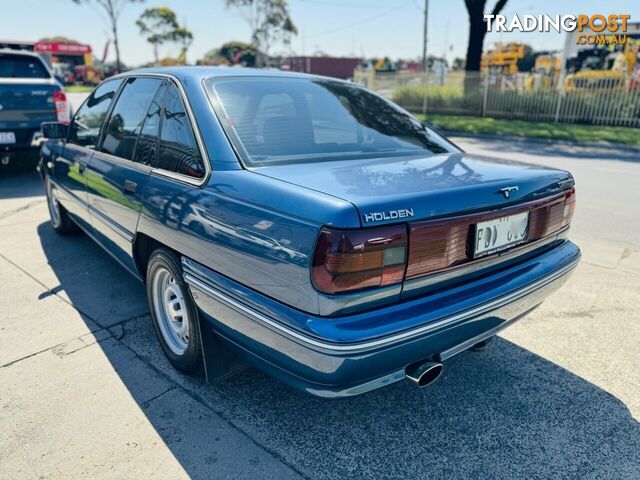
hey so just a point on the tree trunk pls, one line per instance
(477, 32)
(114, 29)
(113, 18)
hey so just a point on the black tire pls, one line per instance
(188, 361)
(58, 215)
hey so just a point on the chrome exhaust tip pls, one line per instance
(423, 374)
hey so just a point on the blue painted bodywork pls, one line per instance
(349, 355)
(247, 237)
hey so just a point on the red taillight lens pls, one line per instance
(569, 207)
(347, 260)
(437, 245)
(60, 102)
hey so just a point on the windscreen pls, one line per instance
(21, 66)
(293, 120)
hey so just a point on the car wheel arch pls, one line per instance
(143, 248)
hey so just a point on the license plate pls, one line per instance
(500, 233)
(7, 137)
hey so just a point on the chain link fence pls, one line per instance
(595, 98)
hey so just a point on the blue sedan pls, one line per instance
(307, 223)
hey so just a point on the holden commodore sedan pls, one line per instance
(311, 225)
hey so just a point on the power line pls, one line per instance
(360, 22)
(343, 5)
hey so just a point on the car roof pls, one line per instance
(16, 51)
(198, 73)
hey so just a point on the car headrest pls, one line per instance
(287, 133)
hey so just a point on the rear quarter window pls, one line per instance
(179, 150)
(22, 66)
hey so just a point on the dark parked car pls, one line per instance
(313, 226)
(29, 95)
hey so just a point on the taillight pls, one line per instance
(60, 102)
(437, 245)
(347, 260)
(569, 207)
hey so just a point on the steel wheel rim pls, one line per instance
(170, 310)
(54, 207)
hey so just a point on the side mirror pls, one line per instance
(54, 130)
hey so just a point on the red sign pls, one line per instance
(62, 48)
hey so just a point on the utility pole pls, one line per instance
(424, 36)
(424, 56)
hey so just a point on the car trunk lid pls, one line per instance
(410, 189)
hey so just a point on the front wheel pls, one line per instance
(60, 219)
(173, 312)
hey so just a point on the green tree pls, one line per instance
(58, 39)
(184, 38)
(113, 9)
(458, 63)
(159, 25)
(270, 21)
(234, 53)
(526, 63)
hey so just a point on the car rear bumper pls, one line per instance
(19, 156)
(328, 368)
(26, 148)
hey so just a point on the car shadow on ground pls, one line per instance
(503, 413)
(18, 182)
(564, 149)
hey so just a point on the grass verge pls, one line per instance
(522, 128)
(78, 88)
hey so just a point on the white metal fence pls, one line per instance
(592, 98)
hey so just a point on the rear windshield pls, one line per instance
(21, 66)
(293, 120)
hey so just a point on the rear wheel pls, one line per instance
(60, 219)
(173, 311)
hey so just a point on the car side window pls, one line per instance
(128, 116)
(147, 146)
(86, 125)
(179, 150)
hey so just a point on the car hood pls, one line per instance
(423, 187)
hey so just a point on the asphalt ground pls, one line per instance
(86, 392)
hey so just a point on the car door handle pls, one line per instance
(82, 166)
(129, 187)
